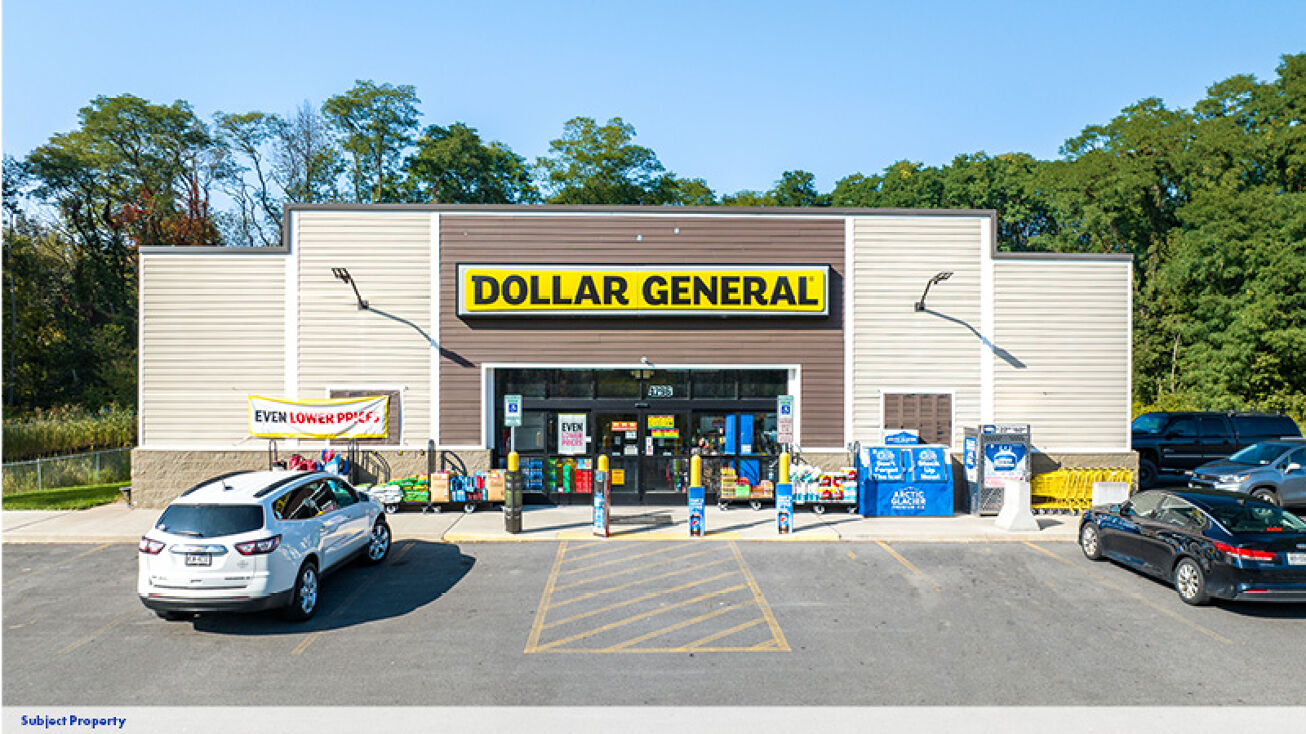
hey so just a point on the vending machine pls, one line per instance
(994, 455)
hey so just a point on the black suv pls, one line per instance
(1173, 443)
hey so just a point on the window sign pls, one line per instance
(663, 426)
(571, 433)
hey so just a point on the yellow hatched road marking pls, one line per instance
(638, 617)
(766, 647)
(543, 607)
(605, 551)
(909, 565)
(659, 577)
(663, 549)
(43, 569)
(726, 633)
(636, 600)
(626, 571)
(680, 625)
(1108, 584)
(761, 600)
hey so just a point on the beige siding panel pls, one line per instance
(815, 343)
(898, 349)
(212, 333)
(1065, 325)
(389, 255)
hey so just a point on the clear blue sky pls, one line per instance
(732, 92)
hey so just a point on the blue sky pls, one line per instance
(733, 92)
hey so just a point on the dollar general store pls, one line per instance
(646, 334)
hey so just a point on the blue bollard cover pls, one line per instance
(784, 508)
(697, 521)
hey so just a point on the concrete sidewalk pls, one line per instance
(118, 523)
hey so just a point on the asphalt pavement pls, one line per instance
(588, 621)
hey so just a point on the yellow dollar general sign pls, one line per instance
(643, 290)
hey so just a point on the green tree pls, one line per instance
(903, 185)
(598, 164)
(747, 197)
(377, 124)
(249, 178)
(453, 166)
(307, 162)
(797, 188)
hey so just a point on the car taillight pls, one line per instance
(257, 547)
(150, 546)
(1244, 553)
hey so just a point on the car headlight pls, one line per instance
(1234, 477)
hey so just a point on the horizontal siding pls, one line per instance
(212, 333)
(388, 254)
(816, 343)
(894, 347)
(1065, 326)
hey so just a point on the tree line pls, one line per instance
(1209, 200)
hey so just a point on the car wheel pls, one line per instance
(378, 545)
(303, 602)
(1146, 473)
(1266, 495)
(1190, 582)
(1090, 541)
(173, 616)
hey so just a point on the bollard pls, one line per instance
(512, 499)
(784, 468)
(697, 496)
(601, 496)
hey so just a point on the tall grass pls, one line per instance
(67, 430)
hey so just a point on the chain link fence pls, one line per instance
(94, 467)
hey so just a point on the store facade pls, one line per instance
(644, 334)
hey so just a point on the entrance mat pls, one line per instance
(646, 518)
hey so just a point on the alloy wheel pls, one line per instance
(1187, 580)
(380, 542)
(308, 590)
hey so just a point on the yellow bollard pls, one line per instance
(784, 467)
(696, 471)
(603, 463)
(513, 461)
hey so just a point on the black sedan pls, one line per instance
(1208, 543)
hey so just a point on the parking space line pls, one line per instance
(111, 624)
(1103, 581)
(56, 564)
(638, 617)
(726, 633)
(542, 608)
(626, 571)
(779, 636)
(627, 585)
(663, 549)
(908, 564)
(604, 552)
(637, 599)
(358, 590)
(679, 625)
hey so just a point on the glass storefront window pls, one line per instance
(618, 384)
(763, 383)
(533, 433)
(664, 384)
(709, 433)
(714, 383)
(527, 383)
(572, 384)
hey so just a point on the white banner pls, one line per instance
(363, 417)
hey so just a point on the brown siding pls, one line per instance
(814, 342)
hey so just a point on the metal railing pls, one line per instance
(92, 467)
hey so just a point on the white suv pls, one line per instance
(247, 541)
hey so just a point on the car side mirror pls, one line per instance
(1294, 466)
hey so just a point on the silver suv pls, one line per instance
(1273, 471)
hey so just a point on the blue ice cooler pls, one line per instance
(926, 490)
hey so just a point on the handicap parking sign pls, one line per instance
(512, 410)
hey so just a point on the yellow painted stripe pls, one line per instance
(637, 599)
(637, 582)
(604, 552)
(653, 535)
(543, 607)
(1108, 584)
(638, 617)
(909, 565)
(625, 571)
(57, 564)
(659, 650)
(726, 633)
(111, 624)
(679, 625)
(761, 601)
(615, 561)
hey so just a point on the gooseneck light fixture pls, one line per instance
(342, 274)
(938, 278)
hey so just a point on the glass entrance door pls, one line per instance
(664, 461)
(619, 441)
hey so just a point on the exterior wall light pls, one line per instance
(342, 274)
(938, 278)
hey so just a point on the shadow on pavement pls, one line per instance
(416, 574)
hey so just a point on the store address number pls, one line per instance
(660, 391)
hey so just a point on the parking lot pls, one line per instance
(661, 622)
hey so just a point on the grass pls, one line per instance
(65, 498)
(67, 430)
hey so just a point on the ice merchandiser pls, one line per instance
(994, 454)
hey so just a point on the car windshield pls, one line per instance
(1148, 423)
(1241, 516)
(1258, 454)
(210, 521)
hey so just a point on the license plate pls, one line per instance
(199, 559)
(1296, 559)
